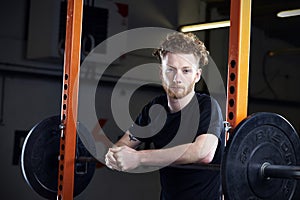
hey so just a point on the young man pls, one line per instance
(188, 130)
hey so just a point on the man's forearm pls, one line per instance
(182, 154)
(125, 158)
(200, 151)
(127, 140)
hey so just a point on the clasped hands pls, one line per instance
(122, 158)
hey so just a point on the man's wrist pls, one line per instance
(142, 157)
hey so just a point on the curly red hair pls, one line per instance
(186, 43)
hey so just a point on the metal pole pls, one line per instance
(280, 171)
(266, 170)
(69, 100)
(238, 61)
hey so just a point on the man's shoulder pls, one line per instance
(202, 97)
(161, 99)
(206, 101)
(205, 97)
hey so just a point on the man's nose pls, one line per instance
(177, 77)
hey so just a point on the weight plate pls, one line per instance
(39, 159)
(260, 138)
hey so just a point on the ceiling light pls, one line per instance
(205, 26)
(289, 13)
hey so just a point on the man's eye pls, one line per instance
(187, 71)
(169, 70)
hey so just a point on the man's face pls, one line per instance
(179, 74)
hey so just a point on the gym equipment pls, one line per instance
(261, 159)
(40, 156)
(237, 87)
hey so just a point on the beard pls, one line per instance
(177, 92)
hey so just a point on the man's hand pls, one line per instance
(122, 158)
(110, 160)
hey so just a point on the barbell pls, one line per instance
(40, 156)
(261, 160)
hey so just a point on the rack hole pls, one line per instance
(231, 89)
(231, 102)
(231, 115)
(232, 76)
(232, 63)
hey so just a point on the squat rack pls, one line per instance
(237, 82)
(69, 99)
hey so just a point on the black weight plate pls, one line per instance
(260, 138)
(39, 159)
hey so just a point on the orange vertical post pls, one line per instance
(238, 61)
(69, 100)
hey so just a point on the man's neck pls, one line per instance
(176, 105)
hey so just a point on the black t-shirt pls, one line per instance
(160, 128)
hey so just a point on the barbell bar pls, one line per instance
(266, 170)
(261, 160)
(279, 171)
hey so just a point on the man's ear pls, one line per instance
(198, 75)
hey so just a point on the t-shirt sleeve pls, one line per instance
(211, 119)
(141, 121)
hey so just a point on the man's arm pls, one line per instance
(127, 140)
(200, 151)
